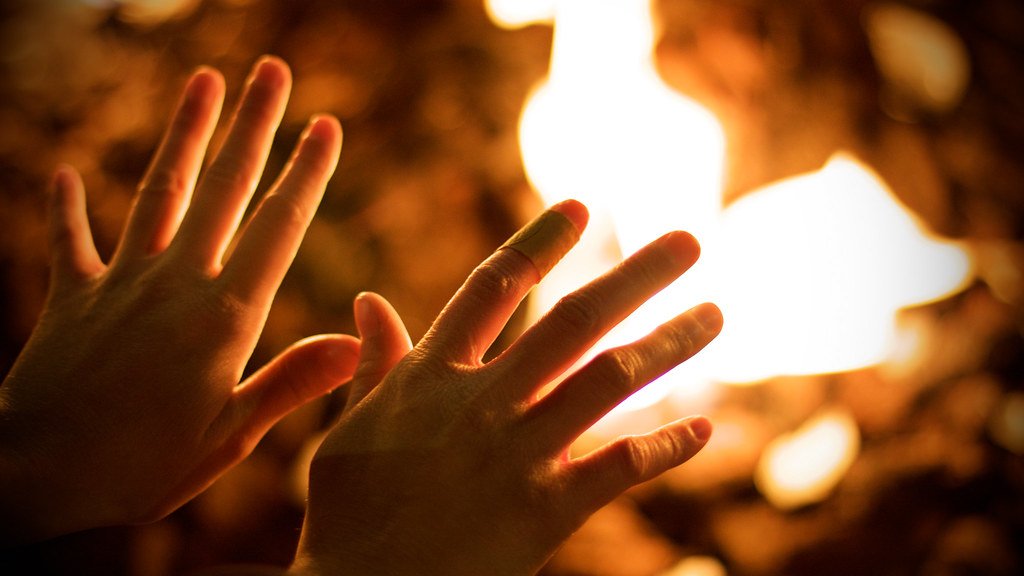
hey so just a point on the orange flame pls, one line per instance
(810, 272)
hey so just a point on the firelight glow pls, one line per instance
(803, 467)
(814, 270)
(809, 272)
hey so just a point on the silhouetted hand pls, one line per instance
(126, 400)
(442, 464)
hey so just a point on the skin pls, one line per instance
(126, 400)
(444, 464)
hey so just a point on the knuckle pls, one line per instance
(497, 278)
(633, 459)
(167, 184)
(230, 173)
(285, 211)
(224, 313)
(579, 311)
(618, 368)
(682, 338)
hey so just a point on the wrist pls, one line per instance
(39, 498)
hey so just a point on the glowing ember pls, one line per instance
(804, 466)
(921, 58)
(697, 566)
(810, 272)
(1007, 423)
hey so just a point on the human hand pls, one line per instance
(126, 401)
(444, 464)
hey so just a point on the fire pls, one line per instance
(813, 270)
(804, 466)
(810, 272)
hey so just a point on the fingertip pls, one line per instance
(65, 178)
(320, 363)
(65, 192)
(271, 69)
(367, 320)
(325, 128)
(205, 84)
(546, 239)
(575, 211)
(339, 355)
(710, 317)
(683, 246)
(700, 428)
(375, 316)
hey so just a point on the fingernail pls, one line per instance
(700, 427)
(267, 70)
(319, 127)
(548, 237)
(61, 177)
(366, 320)
(62, 184)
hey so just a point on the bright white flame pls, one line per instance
(803, 467)
(605, 129)
(518, 13)
(809, 272)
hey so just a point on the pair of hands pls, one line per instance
(126, 401)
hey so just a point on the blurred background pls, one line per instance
(903, 459)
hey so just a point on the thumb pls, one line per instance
(385, 341)
(305, 371)
(72, 252)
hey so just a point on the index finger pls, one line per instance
(580, 319)
(474, 317)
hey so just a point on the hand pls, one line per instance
(126, 401)
(443, 464)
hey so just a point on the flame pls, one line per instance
(813, 270)
(804, 466)
(810, 272)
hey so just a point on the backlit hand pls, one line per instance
(443, 464)
(126, 400)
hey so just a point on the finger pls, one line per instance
(613, 375)
(167, 186)
(385, 341)
(580, 319)
(474, 317)
(272, 237)
(72, 251)
(602, 475)
(305, 371)
(226, 188)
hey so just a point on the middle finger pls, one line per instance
(228, 185)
